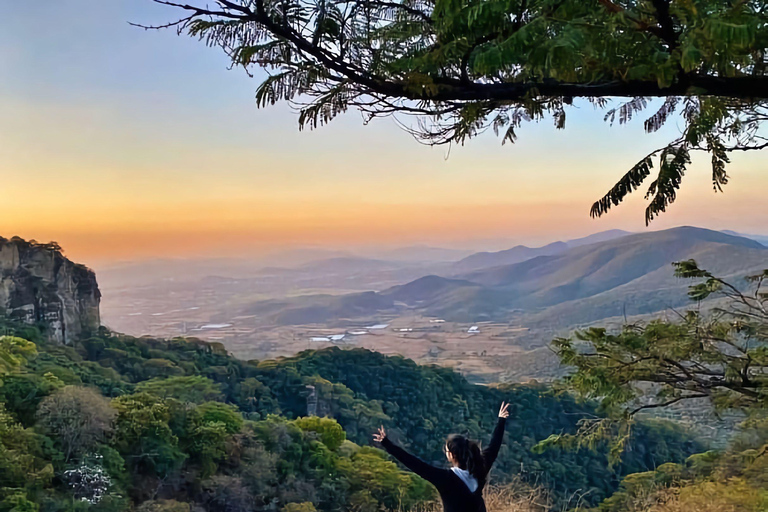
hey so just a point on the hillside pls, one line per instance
(627, 275)
(182, 420)
(763, 239)
(428, 307)
(507, 257)
(639, 262)
(521, 253)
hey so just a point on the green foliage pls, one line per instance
(211, 426)
(22, 457)
(192, 388)
(328, 431)
(371, 473)
(214, 412)
(462, 66)
(18, 503)
(143, 434)
(711, 481)
(14, 352)
(163, 506)
(721, 358)
(305, 506)
(231, 435)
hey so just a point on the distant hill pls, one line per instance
(595, 268)
(320, 309)
(602, 236)
(521, 253)
(762, 239)
(424, 253)
(349, 264)
(427, 288)
(452, 298)
(514, 255)
(631, 274)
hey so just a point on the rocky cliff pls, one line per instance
(39, 286)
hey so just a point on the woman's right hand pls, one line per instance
(503, 411)
(380, 435)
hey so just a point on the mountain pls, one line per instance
(40, 287)
(348, 265)
(630, 274)
(320, 309)
(643, 283)
(301, 256)
(592, 269)
(602, 236)
(427, 288)
(761, 239)
(424, 253)
(521, 253)
(514, 255)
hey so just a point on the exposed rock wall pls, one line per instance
(39, 286)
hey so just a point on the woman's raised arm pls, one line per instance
(492, 450)
(433, 475)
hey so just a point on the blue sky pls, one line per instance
(111, 132)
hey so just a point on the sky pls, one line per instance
(125, 144)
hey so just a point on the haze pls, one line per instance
(140, 144)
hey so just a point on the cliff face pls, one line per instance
(39, 286)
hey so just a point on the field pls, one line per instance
(492, 353)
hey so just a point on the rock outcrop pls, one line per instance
(39, 286)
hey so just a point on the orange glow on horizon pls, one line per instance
(240, 230)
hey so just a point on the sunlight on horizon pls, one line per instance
(142, 144)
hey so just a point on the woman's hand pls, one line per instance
(380, 435)
(503, 411)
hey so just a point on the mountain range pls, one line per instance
(521, 252)
(575, 282)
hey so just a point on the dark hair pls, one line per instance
(467, 453)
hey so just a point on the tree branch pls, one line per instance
(667, 403)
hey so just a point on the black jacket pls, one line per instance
(453, 491)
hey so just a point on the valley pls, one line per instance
(517, 300)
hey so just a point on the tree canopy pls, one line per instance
(463, 66)
(719, 355)
(95, 423)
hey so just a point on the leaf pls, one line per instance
(626, 110)
(626, 185)
(674, 161)
(657, 120)
(325, 108)
(689, 269)
(719, 159)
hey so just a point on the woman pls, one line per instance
(461, 487)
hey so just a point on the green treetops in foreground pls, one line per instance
(721, 356)
(117, 423)
(463, 66)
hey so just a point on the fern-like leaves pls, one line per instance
(663, 191)
(630, 182)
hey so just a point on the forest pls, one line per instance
(120, 423)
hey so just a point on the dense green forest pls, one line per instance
(117, 422)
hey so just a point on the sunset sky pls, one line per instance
(124, 144)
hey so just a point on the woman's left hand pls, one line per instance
(380, 435)
(503, 411)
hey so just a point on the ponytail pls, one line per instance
(468, 455)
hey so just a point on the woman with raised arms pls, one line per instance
(461, 486)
